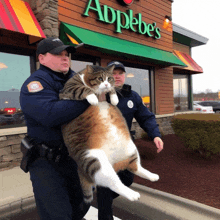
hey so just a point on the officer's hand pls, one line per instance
(159, 144)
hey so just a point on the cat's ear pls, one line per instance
(89, 69)
(110, 69)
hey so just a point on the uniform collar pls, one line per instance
(124, 91)
(57, 75)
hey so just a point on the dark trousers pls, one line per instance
(105, 196)
(57, 190)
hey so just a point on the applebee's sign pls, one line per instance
(122, 20)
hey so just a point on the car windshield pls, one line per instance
(209, 103)
(202, 103)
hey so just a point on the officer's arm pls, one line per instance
(146, 119)
(45, 107)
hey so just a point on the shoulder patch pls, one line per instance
(35, 86)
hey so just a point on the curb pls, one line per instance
(17, 207)
(158, 205)
(153, 205)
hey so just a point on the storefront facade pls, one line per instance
(138, 33)
(134, 34)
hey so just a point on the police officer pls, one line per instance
(53, 173)
(131, 106)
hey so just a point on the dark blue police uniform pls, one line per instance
(131, 106)
(56, 185)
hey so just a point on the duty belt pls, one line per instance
(51, 154)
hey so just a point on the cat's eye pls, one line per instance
(100, 79)
(110, 79)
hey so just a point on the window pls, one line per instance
(139, 79)
(181, 92)
(14, 70)
(76, 65)
(80, 61)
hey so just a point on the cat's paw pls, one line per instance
(129, 193)
(92, 99)
(88, 200)
(114, 99)
(132, 195)
(154, 177)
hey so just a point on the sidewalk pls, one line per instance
(16, 192)
(16, 196)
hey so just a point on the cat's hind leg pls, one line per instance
(87, 188)
(136, 168)
(107, 177)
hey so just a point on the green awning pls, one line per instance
(72, 35)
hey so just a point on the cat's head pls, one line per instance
(98, 78)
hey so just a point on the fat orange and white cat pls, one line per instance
(99, 139)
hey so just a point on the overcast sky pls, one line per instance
(203, 18)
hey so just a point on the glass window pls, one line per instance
(76, 65)
(180, 90)
(139, 80)
(14, 70)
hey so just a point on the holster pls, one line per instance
(27, 148)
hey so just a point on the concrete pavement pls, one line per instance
(16, 196)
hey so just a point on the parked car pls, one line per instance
(203, 109)
(6, 119)
(10, 116)
(215, 105)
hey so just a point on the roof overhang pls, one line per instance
(187, 37)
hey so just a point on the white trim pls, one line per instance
(23, 130)
(170, 115)
(13, 131)
(175, 113)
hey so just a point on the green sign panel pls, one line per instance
(122, 20)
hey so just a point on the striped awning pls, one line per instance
(16, 15)
(192, 66)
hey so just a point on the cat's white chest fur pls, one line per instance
(116, 146)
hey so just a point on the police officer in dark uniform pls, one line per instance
(131, 106)
(53, 173)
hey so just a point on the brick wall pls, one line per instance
(46, 12)
(164, 126)
(10, 153)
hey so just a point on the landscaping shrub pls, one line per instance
(199, 132)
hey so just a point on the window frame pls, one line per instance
(32, 64)
(189, 89)
(151, 71)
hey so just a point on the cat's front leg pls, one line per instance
(92, 99)
(114, 99)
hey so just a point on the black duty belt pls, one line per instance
(31, 151)
(50, 153)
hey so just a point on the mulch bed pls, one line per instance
(182, 172)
